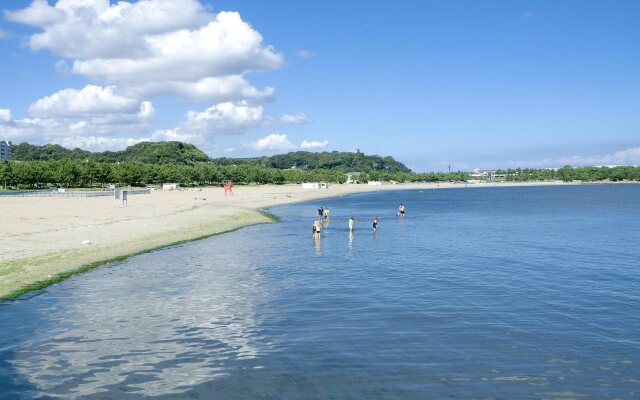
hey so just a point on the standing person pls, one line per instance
(320, 212)
(401, 210)
(317, 228)
(375, 225)
(326, 214)
(350, 224)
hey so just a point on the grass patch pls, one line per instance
(271, 217)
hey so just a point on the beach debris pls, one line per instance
(87, 241)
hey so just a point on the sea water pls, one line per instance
(503, 293)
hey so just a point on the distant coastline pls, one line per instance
(46, 240)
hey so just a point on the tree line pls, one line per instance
(568, 174)
(87, 174)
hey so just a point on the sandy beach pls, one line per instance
(45, 237)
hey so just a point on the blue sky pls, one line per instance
(472, 84)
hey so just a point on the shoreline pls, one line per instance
(47, 240)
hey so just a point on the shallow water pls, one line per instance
(506, 293)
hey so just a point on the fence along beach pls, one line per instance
(44, 237)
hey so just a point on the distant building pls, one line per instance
(5, 150)
(352, 177)
(315, 185)
(488, 175)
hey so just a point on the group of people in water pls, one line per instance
(323, 215)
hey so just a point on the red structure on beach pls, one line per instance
(228, 188)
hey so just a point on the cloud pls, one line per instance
(273, 141)
(99, 143)
(179, 135)
(146, 110)
(227, 118)
(3, 34)
(87, 29)
(90, 100)
(228, 88)
(93, 118)
(38, 13)
(622, 157)
(62, 68)
(5, 115)
(314, 144)
(225, 46)
(132, 51)
(196, 55)
(306, 54)
(629, 156)
(89, 134)
(299, 118)
(229, 150)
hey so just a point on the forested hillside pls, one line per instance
(188, 154)
(146, 153)
(342, 161)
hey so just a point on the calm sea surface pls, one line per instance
(505, 293)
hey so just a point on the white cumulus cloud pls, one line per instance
(38, 13)
(5, 115)
(146, 110)
(195, 54)
(179, 135)
(273, 141)
(226, 118)
(90, 134)
(130, 51)
(91, 100)
(227, 88)
(99, 143)
(314, 144)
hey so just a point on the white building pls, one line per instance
(489, 175)
(315, 185)
(5, 150)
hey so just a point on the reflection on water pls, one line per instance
(159, 329)
(350, 241)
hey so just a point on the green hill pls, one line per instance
(146, 153)
(335, 160)
(188, 154)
